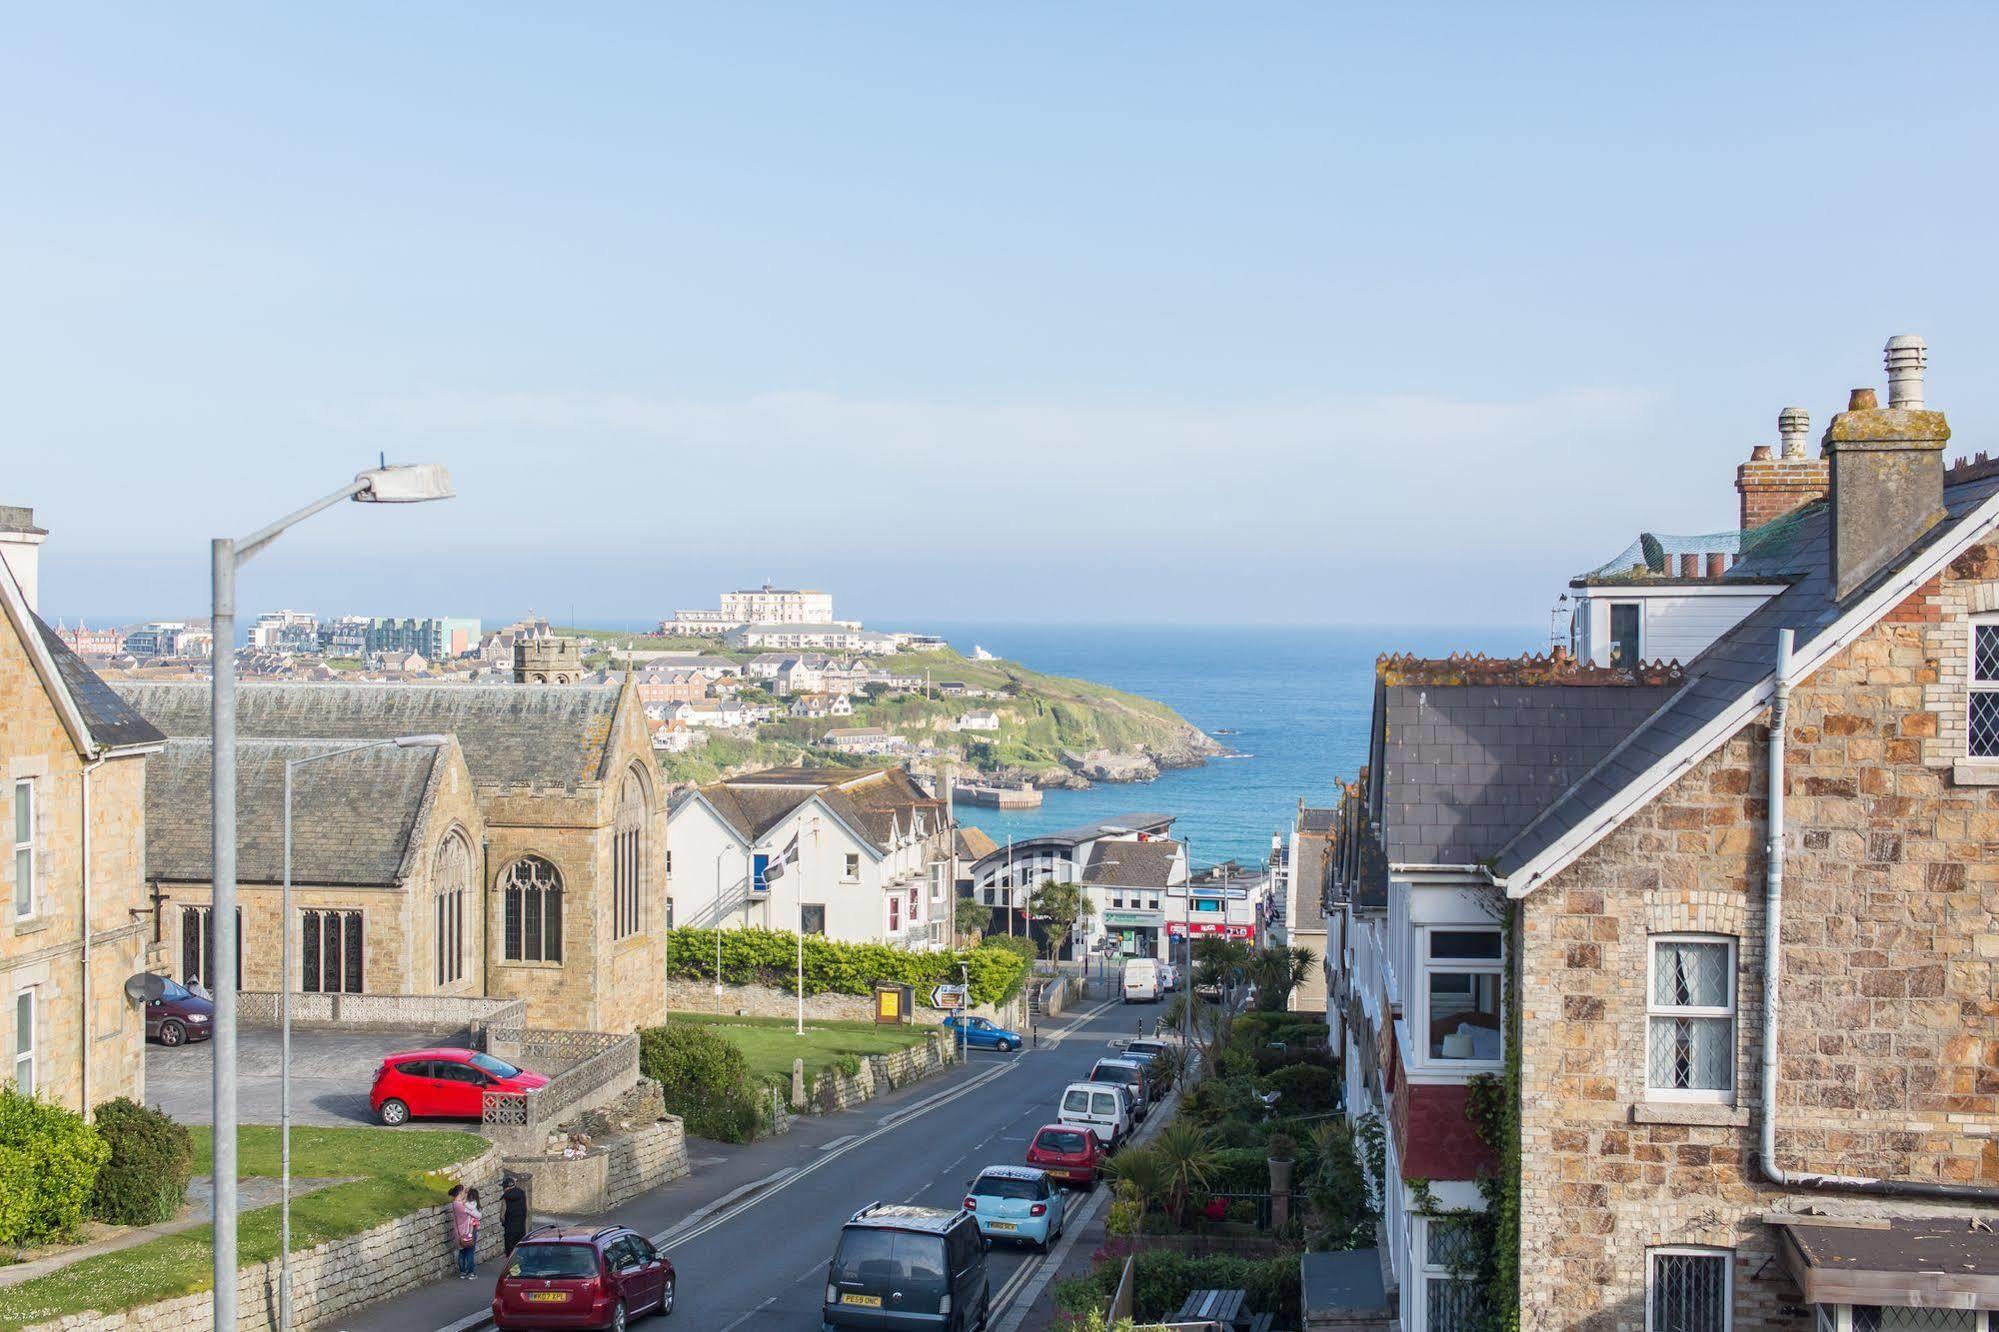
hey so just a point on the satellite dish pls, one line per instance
(145, 987)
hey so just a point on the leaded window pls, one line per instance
(628, 856)
(197, 945)
(331, 952)
(532, 889)
(1691, 1018)
(1453, 1299)
(451, 880)
(1983, 720)
(1688, 1290)
(1876, 1318)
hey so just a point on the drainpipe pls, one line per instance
(84, 1065)
(1773, 967)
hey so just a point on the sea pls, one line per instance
(1291, 703)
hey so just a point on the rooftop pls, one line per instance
(1124, 864)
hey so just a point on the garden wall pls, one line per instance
(693, 996)
(327, 1280)
(612, 1170)
(879, 1074)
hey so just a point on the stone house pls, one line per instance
(566, 831)
(75, 927)
(1692, 1156)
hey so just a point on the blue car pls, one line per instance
(979, 1033)
(1017, 1203)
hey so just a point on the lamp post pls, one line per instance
(380, 485)
(285, 1012)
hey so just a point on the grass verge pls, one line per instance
(399, 1172)
(770, 1044)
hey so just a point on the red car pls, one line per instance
(443, 1084)
(578, 1276)
(1072, 1155)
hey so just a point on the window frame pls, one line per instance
(850, 871)
(1973, 686)
(32, 1055)
(1428, 1271)
(1637, 608)
(30, 847)
(1727, 1256)
(548, 901)
(1694, 1095)
(346, 930)
(1427, 966)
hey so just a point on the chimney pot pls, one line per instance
(1862, 400)
(1690, 566)
(1716, 564)
(1907, 356)
(1760, 453)
(1793, 424)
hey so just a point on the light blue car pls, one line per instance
(979, 1033)
(1019, 1203)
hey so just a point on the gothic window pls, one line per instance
(197, 945)
(533, 892)
(451, 878)
(331, 952)
(628, 856)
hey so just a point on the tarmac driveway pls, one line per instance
(331, 1074)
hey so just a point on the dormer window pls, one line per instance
(1626, 621)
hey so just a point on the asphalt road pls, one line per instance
(750, 1232)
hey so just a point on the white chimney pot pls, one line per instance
(1907, 356)
(1793, 424)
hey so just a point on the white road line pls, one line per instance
(827, 1147)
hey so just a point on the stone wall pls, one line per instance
(880, 1074)
(613, 1170)
(1890, 1026)
(331, 1278)
(686, 996)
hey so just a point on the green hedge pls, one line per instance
(770, 957)
(49, 1159)
(1306, 1088)
(1162, 1280)
(705, 1078)
(144, 1181)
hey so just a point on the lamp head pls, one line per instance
(422, 741)
(404, 483)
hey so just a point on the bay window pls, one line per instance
(1462, 977)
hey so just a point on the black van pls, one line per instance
(908, 1267)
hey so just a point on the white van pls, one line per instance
(1141, 981)
(1099, 1106)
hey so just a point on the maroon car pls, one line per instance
(1070, 1154)
(561, 1277)
(175, 1015)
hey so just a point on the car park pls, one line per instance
(1018, 1203)
(176, 1015)
(978, 1033)
(445, 1083)
(561, 1277)
(899, 1266)
(1131, 1074)
(1102, 1107)
(1072, 1155)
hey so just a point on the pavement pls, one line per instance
(751, 1229)
(331, 1074)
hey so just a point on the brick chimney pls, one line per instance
(1887, 470)
(21, 547)
(1772, 487)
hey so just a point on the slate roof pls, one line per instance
(1131, 864)
(353, 817)
(1317, 820)
(1735, 665)
(512, 734)
(874, 804)
(1466, 766)
(974, 844)
(1309, 866)
(113, 723)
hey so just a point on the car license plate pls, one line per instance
(548, 1297)
(1001, 1225)
(865, 1301)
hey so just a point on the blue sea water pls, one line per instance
(1297, 699)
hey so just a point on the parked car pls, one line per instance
(1169, 977)
(1153, 1055)
(1141, 981)
(176, 1015)
(1132, 1075)
(561, 1277)
(445, 1083)
(899, 1266)
(1073, 1155)
(1017, 1203)
(1101, 1107)
(982, 1033)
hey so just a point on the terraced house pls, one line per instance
(1733, 926)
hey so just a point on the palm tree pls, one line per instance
(1279, 971)
(1188, 1153)
(1061, 906)
(1141, 1177)
(970, 916)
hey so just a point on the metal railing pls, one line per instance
(590, 1062)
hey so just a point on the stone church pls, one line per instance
(526, 858)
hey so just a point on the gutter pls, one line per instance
(1773, 967)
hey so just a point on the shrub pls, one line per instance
(1012, 943)
(144, 1180)
(705, 1079)
(1241, 1170)
(49, 1159)
(1305, 1089)
(1162, 1280)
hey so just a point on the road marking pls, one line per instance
(827, 1147)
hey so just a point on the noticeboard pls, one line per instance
(893, 1003)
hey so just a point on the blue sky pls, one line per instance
(1032, 312)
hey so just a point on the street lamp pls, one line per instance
(285, 1013)
(380, 485)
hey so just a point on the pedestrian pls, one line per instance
(472, 1210)
(465, 1230)
(513, 1212)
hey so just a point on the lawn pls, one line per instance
(770, 1044)
(397, 1171)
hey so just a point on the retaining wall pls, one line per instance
(685, 996)
(612, 1170)
(879, 1074)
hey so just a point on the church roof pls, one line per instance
(535, 735)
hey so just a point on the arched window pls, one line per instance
(628, 839)
(533, 890)
(450, 877)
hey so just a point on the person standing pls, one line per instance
(513, 1212)
(464, 1231)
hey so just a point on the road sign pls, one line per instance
(948, 996)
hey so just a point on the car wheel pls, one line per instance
(393, 1113)
(1006, 1047)
(618, 1320)
(172, 1033)
(666, 1299)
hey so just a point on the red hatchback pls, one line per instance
(1072, 1155)
(443, 1084)
(562, 1277)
